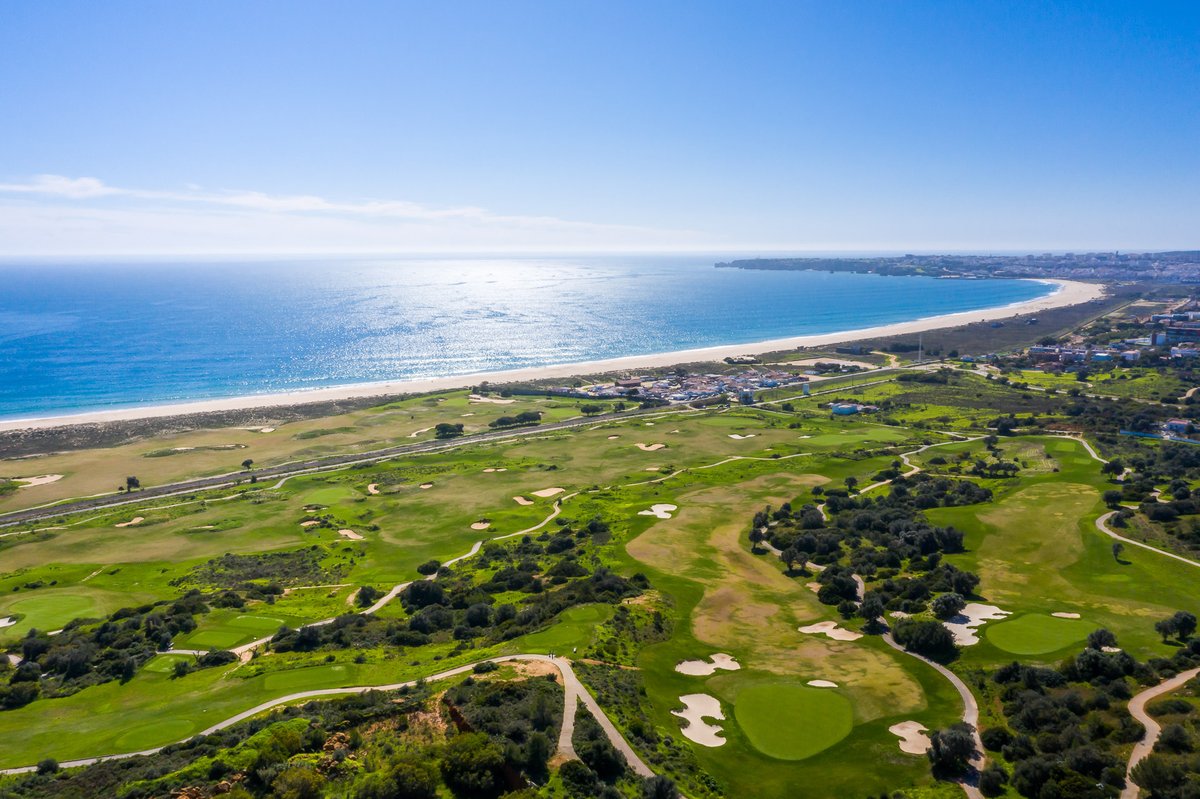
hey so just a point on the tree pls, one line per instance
(871, 609)
(181, 668)
(1099, 639)
(659, 787)
(756, 537)
(851, 482)
(992, 781)
(1114, 467)
(300, 782)
(1112, 498)
(446, 430)
(789, 557)
(1117, 549)
(1185, 624)
(924, 637)
(1165, 628)
(591, 410)
(367, 595)
(429, 567)
(47, 766)
(132, 482)
(948, 605)
(472, 766)
(246, 464)
(950, 750)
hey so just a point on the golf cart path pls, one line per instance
(1102, 525)
(573, 691)
(1137, 709)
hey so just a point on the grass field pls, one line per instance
(1037, 634)
(793, 722)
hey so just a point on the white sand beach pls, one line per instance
(1068, 292)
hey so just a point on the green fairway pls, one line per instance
(1035, 634)
(575, 630)
(793, 722)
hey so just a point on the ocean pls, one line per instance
(78, 337)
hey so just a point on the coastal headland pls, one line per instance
(1066, 293)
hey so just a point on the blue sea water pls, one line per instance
(76, 337)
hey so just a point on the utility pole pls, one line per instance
(920, 348)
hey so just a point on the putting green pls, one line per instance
(792, 722)
(1035, 634)
(149, 735)
(53, 610)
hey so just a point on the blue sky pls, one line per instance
(398, 126)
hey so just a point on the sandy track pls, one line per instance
(1137, 709)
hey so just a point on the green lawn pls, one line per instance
(1037, 634)
(793, 722)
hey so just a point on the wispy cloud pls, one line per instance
(55, 213)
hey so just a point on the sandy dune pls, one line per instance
(662, 510)
(548, 492)
(522, 501)
(703, 668)
(964, 626)
(913, 740)
(132, 522)
(40, 480)
(353, 536)
(831, 629)
(477, 398)
(697, 707)
(822, 684)
(650, 447)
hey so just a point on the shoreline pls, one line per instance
(1068, 292)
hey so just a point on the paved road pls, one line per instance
(1137, 709)
(574, 692)
(285, 470)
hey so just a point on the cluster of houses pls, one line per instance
(1079, 354)
(690, 387)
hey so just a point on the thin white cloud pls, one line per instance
(54, 214)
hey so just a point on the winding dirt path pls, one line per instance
(573, 691)
(1137, 709)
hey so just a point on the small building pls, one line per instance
(1179, 426)
(844, 408)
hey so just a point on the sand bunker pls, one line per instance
(964, 625)
(913, 740)
(477, 398)
(697, 707)
(481, 525)
(465, 415)
(703, 668)
(310, 523)
(132, 522)
(1112, 650)
(649, 424)
(416, 433)
(1063, 615)
(822, 684)
(740, 437)
(899, 614)
(522, 501)
(40, 480)
(831, 629)
(373, 488)
(489, 470)
(814, 587)
(353, 536)
(610, 438)
(426, 485)
(662, 511)
(7, 621)
(548, 492)
(650, 447)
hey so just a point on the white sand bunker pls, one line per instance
(662, 510)
(697, 707)
(481, 525)
(353, 536)
(310, 523)
(426, 485)
(132, 522)
(548, 492)
(465, 415)
(522, 501)
(1112, 650)
(822, 684)
(478, 398)
(740, 437)
(489, 470)
(373, 488)
(831, 629)
(814, 587)
(7, 621)
(650, 447)
(913, 740)
(40, 480)
(964, 625)
(610, 438)
(1064, 615)
(703, 668)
